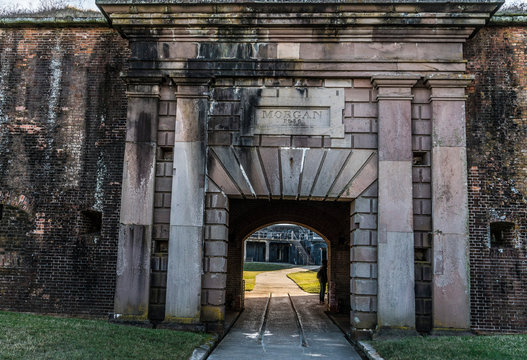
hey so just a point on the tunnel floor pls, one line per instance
(281, 321)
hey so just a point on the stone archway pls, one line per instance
(320, 102)
(331, 221)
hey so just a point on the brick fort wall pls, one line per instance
(497, 164)
(62, 125)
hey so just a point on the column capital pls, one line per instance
(394, 86)
(448, 87)
(395, 79)
(143, 90)
(191, 87)
(448, 80)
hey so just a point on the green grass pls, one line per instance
(250, 279)
(251, 269)
(496, 347)
(258, 266)
(306, 280)
(27, 336)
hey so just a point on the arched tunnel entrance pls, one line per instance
(331, 220)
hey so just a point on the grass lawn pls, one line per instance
(307, 280)
(251, 269)
(502, 347)
(27, 336)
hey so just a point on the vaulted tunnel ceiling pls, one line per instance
(291, 173)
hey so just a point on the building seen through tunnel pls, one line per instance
(286, 243)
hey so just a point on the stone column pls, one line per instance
(185, 250)
(266, 250)
(395, 248)
(450, 296)
(137, 201)
(245, 251)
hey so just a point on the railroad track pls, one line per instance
(265, 317)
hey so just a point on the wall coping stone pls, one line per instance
(509, 19)
(137, 2)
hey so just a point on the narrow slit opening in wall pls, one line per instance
(421, 255)
(501, 234)
(166, 153)
(421, 158)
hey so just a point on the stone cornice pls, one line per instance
(303, 34)
(127, 15)
(208, 70)
(508, 20)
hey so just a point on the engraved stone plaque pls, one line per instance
(296, 111)
(292, 120)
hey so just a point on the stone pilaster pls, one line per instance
(137, 201)
(451, 295)
(395, 248)
(185, 250)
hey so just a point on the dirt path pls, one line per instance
(278, 283)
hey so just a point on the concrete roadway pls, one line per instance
(275, 333)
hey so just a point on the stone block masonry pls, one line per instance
(363, 263)
(62, 117)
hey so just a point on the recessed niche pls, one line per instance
(502, 234)
(90, 222)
